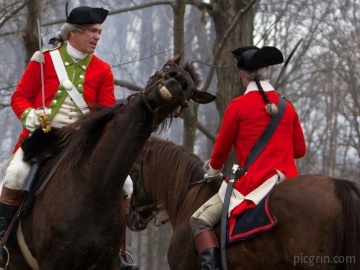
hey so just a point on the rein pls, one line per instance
(208, 180)
(144, 221)
(137, 210)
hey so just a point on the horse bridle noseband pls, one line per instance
(165, 93)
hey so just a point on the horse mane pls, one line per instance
(77, 138)
(169, 170)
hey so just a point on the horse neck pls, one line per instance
(121, 142)
(167, 177)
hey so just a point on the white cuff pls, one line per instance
(212, 171)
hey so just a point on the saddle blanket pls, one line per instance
(252, 221)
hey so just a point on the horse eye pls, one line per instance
(172, 74)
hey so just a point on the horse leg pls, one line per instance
(52, 262)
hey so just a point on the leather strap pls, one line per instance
(237, 172)
(64, 81)
(11, 225)
(266, 135)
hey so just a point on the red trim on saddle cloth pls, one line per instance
(251, 221)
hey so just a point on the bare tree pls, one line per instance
(321, 78)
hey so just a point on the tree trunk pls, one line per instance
(30, 37)
(190, 114)
(229, 84)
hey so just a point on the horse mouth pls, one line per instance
(134, 224)
(165, 93)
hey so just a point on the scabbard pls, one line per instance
(31, 177)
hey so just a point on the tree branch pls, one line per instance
(206, 132)
(223, 42)
(200, 5)
(4, 19)
(117, 11)
(127, 85)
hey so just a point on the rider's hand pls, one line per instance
(32, 121)
(37, 117)
(211, 173)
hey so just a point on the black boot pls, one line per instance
(7, 212)
(127, 266)
(208, 248)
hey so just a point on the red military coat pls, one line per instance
(244, 121)
(91, 76)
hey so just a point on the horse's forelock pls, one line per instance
(189, 67)
(195, 76)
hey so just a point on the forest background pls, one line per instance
(322, 78)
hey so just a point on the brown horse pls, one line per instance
(318, 217)
(77, 221)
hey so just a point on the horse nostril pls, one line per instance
(172, 74)
(184, 85)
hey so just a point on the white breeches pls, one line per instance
(210, 212)
(16, 171)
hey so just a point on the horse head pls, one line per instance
(143, 207)
(174, 87)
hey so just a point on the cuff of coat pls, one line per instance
(24, 116)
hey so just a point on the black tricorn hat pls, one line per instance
(251, 57)
(86, 15)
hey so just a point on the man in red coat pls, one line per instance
(244, 121)
(74, 81)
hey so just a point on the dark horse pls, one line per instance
(77, 221)
(318, 216)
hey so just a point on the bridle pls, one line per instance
(143, 222)
(137, 168)
(166, 96)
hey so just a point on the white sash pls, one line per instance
(64, 81)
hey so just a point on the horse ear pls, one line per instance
(202, 97)
(176, 59)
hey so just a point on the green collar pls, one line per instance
(66, 58)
